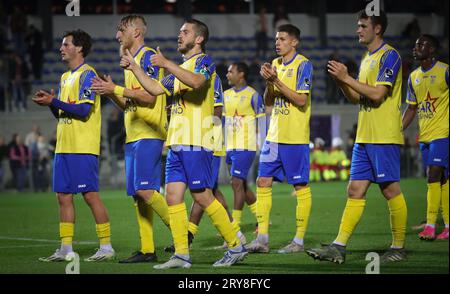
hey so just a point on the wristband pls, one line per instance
(118, 91)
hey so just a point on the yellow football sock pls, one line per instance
(66, 233)
(304, 202)
(159, 205)
(193, 228)
(263, 207)
(236, 215)
(399, 213)
(179, 227)
(350, 218)
(104, 233)
(253, 208)
(221, 221)
(444, 202)
(433, 201)
(144, 215)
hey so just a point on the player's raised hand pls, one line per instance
(127, 61)
(337, 70)
(158, 59)
(103, 86)
(44, 98)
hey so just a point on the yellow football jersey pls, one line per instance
(191, 121)
(145, 121)
(241, 108)
(73, 134)
(289, 124)
(429, 90)
(381, 124)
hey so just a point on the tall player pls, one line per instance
(77, 109)
(428, 97)
(285, 153)
(146, 129)
(190, 140)
(376, 154)
(242, 108)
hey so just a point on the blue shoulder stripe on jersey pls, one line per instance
(168, 82)
(304, 76)
(146, 65)
(85, 92)
(218, 91)
(390, 64)
(410, 94)
(257, 103)
(205, 65)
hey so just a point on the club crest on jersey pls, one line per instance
(388, 73)
(290, 72)
(150, 70)
(87, 93)
(417, 81)
(432, 80)
(307, 82)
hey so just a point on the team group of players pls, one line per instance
(190, 125)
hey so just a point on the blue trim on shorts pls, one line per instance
(240, 161)
(435, 153)
(75, 173)
(377, 163)
(285, 161)
(143, 165)
(192, 166)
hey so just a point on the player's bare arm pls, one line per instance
(193, 80)
(340, 73)
(150, 85)
(408, 115)
(106, 87)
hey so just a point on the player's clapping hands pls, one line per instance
(337, 70)
(43, 98)
(159, 59)
(103, 86)
(268, 72)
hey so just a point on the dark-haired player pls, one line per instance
(77, 108)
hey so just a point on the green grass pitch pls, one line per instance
(29, 230)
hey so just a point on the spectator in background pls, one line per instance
(18, 75)
(35, 50)
(412, 30)
(3, 78)
(331, 87)
(261, 33)
(116, 133)
(18, 26)
(31, 140)
(41, 182)
(3, 155)
(280, 17)
(19, 156)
